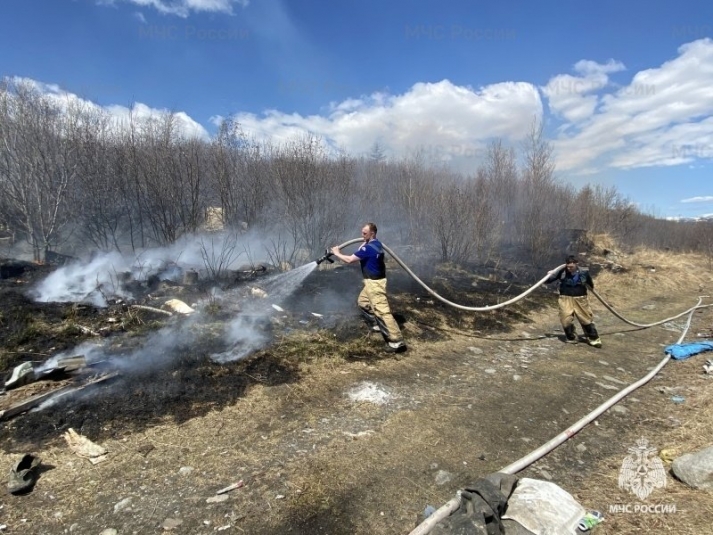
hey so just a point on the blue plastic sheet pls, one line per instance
(683, 351)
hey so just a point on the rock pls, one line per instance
(171, 523)
(695, 469)
(590, 374)
(648, 307)
(516, 377)
(619, 409)
(185, 470)
(581, 448)
(107, 531)
(217, 499)
(608, 387)
(489, 370)
(475, 350)
(604, 362)
(123, 505)
(443, 477)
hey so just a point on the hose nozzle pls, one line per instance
(327, 256)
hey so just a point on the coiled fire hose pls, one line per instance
(450, 507)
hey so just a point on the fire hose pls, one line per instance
(450, 507)
(327, 257)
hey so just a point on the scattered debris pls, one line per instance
(37, 399)
(123, 505)
(359, 434)
(85, 448)
(231, 487)
(257, 292)
(217, 499)
(591, 519)
(278, 308)
(176, 305)
(369, 392)
(543, 507)
(667, 456)
(23, 475)
(152, 309)
(171, 523)
(21, 375)
(443, 477)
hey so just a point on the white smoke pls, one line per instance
(97, 278)
(84, 281)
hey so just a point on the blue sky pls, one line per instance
(625, 92)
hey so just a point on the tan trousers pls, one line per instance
(372, 300)
(571, 307)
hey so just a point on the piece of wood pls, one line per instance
(33, 401)
(231, 487)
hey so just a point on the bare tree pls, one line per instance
(313, 194)
(540, 216)
(96, 198)
(39, 162)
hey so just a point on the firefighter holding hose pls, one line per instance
(574, 301)
(372, 301)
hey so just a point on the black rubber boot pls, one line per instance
(591, 331)
(570, 334)
(592, 335)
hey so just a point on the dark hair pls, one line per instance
(372, 226)
(571, 259)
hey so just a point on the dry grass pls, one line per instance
(652, 269)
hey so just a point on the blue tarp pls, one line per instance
(683, 351)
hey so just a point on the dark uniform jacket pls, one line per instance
(572, 284)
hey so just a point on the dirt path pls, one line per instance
(313, 460)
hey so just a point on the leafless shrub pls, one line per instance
(219, 253)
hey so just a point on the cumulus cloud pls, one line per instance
(571, 96)
(120, 115)
(705, 198)
(442, 120)
(183, 8)
(662, 117)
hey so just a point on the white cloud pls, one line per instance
(445, 121)
(570, 96)
(705, 198)
(120, 115)
(663, 117)
(183, 8)
(140, 17)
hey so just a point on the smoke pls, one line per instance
(241, 336)
(96, 278)
(83, 282)
(246, 332)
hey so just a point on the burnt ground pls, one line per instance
(475, 392)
